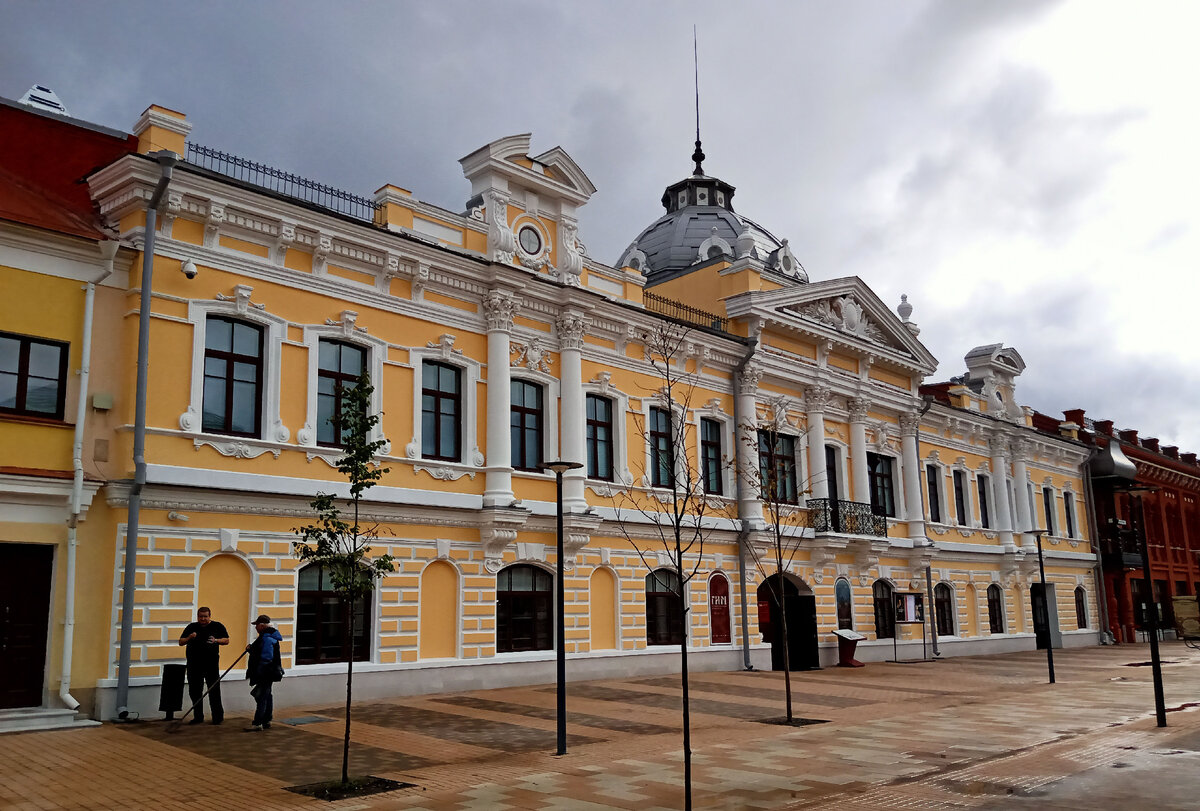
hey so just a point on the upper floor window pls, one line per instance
(960, 498)
(879, 477)
(599, 438)
(233, 377)
(1048, 507)
(662, 460)
(526, 421)
(339, 366)
(777, 466)
(985, 517)
(33, 375)
(710, 455)
(441, 411)
(933, 474)
(1069, 512)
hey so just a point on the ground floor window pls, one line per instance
(995, 598)
(943, 602)
(845, 604)
(885, 609)
(664, 608)
(524, 616)
(321, 632)
(1081, 618)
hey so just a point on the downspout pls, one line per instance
(1089, 495)
(166, 161)
(108, 250)
(931, 607)
(744, 532)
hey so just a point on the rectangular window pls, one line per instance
(777, 466)
(883, 493)
(525, 420)
(960, 498)
(441, 411)
(1048, 506)
(33, 376)
(599, 438)
(985, 518)
(233, 370)
(710, 455)
(932, 474)
(339, 366)
(1069, 511)
(662, 458)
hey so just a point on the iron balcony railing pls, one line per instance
(684, 312)
(281, 182)
(849, 517)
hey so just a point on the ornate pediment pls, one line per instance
(845, 314)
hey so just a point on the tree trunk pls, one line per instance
(349, 623)
(781, 591)
(687, 717)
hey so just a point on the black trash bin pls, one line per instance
(170, 697)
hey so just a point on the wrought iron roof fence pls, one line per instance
(684, 312)
(281, 182)
(850, 517)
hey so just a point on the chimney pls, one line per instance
(1074, 415)
(1171, 451)
(1190, 458)
(1151, 443)
(1128, 435)
(1104, 427)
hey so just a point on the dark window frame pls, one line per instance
(711, 451)
(599, 434)
(341, 382)
(527, 425)
(662, 450)
(1048, 507)
(440, 398)
(960, 497)
(995, 601)
(776, 466)
(22, 375)
(982, 481)
(230, 358)
(945, 609)
(1081, 612)
(881, 483)
(883, 595)
(1069, 512)
(323, 601)
(664, 608)
(932, 474)
(534, 606)
(845, 620)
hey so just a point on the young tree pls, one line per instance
(672, 510)
(340, 547)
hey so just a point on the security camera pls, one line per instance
(189, 269)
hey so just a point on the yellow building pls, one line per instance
(496, 344)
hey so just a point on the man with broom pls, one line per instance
(204, 639)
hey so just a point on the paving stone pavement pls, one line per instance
(980, 732)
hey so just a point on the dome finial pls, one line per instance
(698, 155)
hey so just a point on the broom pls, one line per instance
(174, 725)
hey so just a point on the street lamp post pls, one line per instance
(1160, 707)
(1045, 604)
(560, 638)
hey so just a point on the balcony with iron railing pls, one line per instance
(845, 517)
(684, 312)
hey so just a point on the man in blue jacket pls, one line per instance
(263, 669)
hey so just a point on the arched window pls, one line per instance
(943, 602)
(664, 608)
(524, 616)
(845, 604)
(995, 597)
(885, 609)
(718, 609)
(1081, 607)
(321, 621)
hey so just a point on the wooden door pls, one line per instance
(25, 576)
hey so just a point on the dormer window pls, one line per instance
(720, 198)
(701, 197)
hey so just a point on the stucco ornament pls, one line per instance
(844, 314)
(501, 240)
(530, 355)
(570, 265)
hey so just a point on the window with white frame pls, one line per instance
(933, 480)
(711, 454)
(527, 419)
(961, 516)
(1048, 508)
(338, 354)
(662, 456)
(451, 378)
(882, 486)
(983, 485)
(441, 411)
(1069, 512)
(599, 437)
(233, 377)
(777, 467)
(339, 367)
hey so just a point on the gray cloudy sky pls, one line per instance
(1023, 170)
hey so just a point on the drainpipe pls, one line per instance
(1089, 495)
(744, 532)
(108, 250)
(166, 161)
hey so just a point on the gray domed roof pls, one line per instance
(699, 225)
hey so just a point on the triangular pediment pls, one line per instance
(844, 310)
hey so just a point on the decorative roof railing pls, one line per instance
(684, 312)
(282, 183)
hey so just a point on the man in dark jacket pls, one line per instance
(263, 669)
(204, 639)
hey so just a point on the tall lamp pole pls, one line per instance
(1160, 707)
(560, 639)
(1045, 604)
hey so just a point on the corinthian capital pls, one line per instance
(816, 398)
(858, 409)
(570, 328)
(749, 378)
(498, 309)
(910, 421)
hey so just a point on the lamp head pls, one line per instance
(560, 467)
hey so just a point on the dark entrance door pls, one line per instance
(801, 609)
(25, 572)
(1041, 620)
(831, 478)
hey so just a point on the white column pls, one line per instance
(816, 398)
(746, 444)
(1021, 493)
(999, 493)
(498, 308)
(573, 414)
(910, 462)
(858, 451)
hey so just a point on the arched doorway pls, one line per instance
(801, 606)
(225, 590)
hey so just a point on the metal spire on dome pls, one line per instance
(698, 155)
